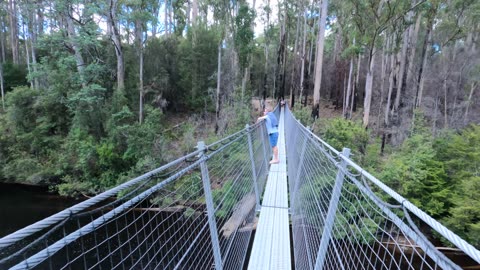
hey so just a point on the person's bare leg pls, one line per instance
(275, 155)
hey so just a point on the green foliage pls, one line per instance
(180, 16)
(162, 70)
(341, 133)
(188, 142)
(415, 172)
(29, 139)
(86, 106)
(238, 116)
(14, 75)
(308, 195)
(461, 155)
(244, 34)
(227, 196)
(189, 188)
(197, 63)
(304, 115)
(20, 103)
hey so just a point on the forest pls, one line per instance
(94, 93)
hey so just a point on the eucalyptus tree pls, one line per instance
(303, 11)
(267, 32)
(244, 40)
(141, 13)
(29, 14)
(3, 31)
(296, 9)
(373, 18)
(319, 59)
(14, 33)
(430, 14)
(111, 8)
(2, 90)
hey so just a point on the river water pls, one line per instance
(22, 205)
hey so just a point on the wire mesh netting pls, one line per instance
(341, 218)
(159, 220)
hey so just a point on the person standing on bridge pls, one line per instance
(271, 123)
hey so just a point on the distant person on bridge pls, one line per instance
(271, 123)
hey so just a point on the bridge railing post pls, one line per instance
(332, 209)
(210, 208)
(254, 171)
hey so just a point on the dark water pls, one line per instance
(22, 205)
(128, 242)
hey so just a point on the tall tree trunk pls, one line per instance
(32, 26)
(14, 31)
(280, 58)
(27, 57)
(219, 79)
(445, 103)
(156, 13)
(139, 45)
(244, 81)
(282, 54)
(344, 95)
(473, 86)
(115, 37)
(368, 88)
(386, 47)
(265, 74)
(40, 18)
(356, 86)
(188, 21)
(391, 79)
(246, 75)
(194, 11)
(421, 75)
(310, 54)
(428, 36)
(72, 36)
(349, 91)
(411, 57)
(335, 91)
(3, 90)
(302, 67)
(284, 67)
(435, 111)
(274, 88)
(401, 71)
(318, 64)
(267, 44)
(167, 16)
(294, 62)
(2, 40)
(172, 20)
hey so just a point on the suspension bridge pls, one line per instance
(224, 207)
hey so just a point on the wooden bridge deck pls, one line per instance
(271, 246)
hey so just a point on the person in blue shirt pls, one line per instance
(271, 123)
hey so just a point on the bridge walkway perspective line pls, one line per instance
(271, 246)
